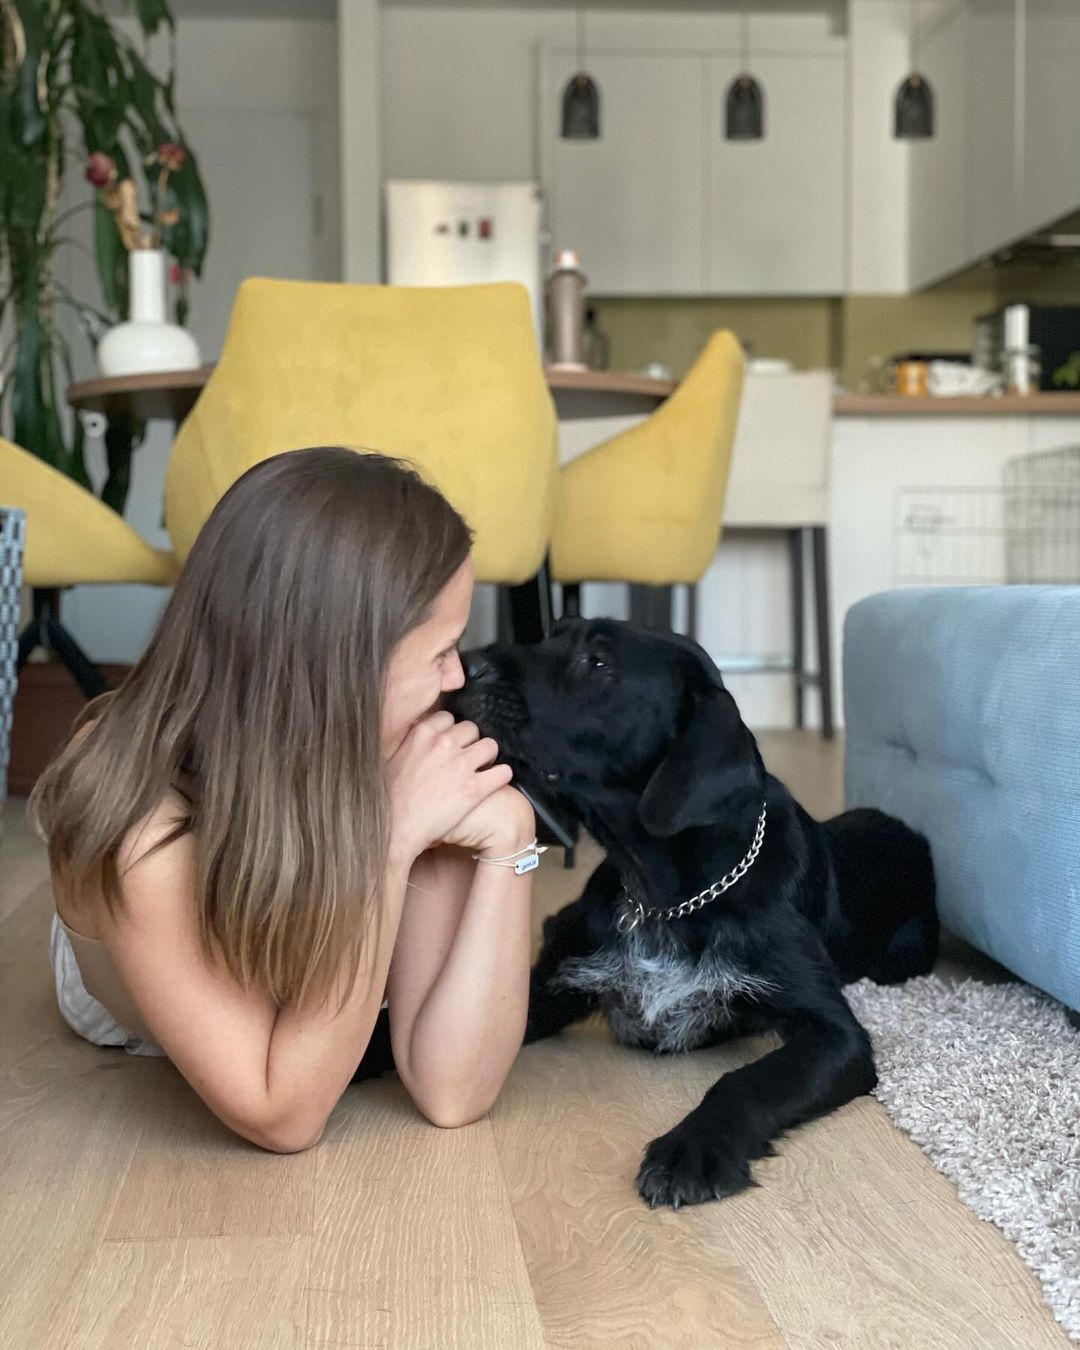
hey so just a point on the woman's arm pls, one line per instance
(459, 980)
(272, 1076)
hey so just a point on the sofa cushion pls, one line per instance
(963, 719)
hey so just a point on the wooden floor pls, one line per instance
(129, 1218)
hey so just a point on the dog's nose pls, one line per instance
(477, 667)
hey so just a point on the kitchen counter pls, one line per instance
(896, 405)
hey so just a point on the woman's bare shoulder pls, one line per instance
(148, 845)
(149, 862)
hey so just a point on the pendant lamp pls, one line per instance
(744, 107)
(581, 97)
(913, 118)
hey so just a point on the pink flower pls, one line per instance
(100, 169)
(179, 276)
(171, 155)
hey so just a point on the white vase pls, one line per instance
(146, 342)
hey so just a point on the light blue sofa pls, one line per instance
(963, 718)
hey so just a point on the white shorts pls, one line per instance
(79, 1009)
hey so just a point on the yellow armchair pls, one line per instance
(645, 507)
(72, 539)
(449, 378)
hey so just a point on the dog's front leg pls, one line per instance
(825, 1061)
(574, 932)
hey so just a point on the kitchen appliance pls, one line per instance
(1026, 343)
(456, 234)
(566, 310)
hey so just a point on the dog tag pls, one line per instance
(529, 863)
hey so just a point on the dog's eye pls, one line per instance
(598, 662)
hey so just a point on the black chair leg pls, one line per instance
(798, 624)
(45, 630)
(691, 611)
(571, 600)
(30, 639)
(530, 608)
(650, 607)
(821, 608)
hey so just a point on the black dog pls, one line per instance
(722, 907)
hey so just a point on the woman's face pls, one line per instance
(425, 663)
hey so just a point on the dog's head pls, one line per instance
(603, 711)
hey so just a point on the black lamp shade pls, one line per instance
(914, 110)
(744, 110)
(581, 108)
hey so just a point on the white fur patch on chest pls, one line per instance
(656, 994)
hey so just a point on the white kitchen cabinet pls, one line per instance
(995, 126)
(632, 202)
(1050, 182)
(776, 207)
(1004, 160)
(940, 207)
(663, 204)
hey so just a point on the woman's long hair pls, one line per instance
(259, 702)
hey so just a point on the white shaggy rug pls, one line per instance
(986, 1079)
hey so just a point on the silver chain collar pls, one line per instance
(633, 912)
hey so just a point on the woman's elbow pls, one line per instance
(280, 1135)
(288, 1141)
(451, 1111)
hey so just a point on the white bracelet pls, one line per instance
(526, 859)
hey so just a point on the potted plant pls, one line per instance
(74, 87)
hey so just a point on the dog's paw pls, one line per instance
(684, 1168)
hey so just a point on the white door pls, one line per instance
(631, 202)
(776, 206)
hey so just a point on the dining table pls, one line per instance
(578, 394)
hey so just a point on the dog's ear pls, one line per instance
(712, 767)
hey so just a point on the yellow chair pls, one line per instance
(449, 378)
(72, 539)
(645, 506)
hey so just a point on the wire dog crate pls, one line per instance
(1026, 531)
(12, 535)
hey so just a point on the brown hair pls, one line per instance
(259, 699)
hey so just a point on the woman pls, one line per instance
(271, 825)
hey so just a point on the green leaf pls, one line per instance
(74, 463)
(152, 14)
(30, 117)
(27, 396)
(56, 449)
(22, 186)
(145, 90)
(188, 239)
(111, 259)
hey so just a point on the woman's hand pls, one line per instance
(502, 824)
(443, 772)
